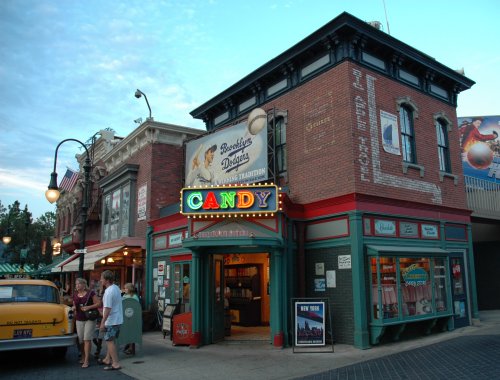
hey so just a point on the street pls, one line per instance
(41, 364)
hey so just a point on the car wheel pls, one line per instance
(59, 352)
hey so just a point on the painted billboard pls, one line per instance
(233, 155)
(480, 146)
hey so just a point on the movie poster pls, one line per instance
(310, 323)
(480, 146)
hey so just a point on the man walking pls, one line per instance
(112, 319)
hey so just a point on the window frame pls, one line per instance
(443, 144)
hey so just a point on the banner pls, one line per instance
(480, 146)
(390, 132)
(232, 155)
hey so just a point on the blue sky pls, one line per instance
(69, 68)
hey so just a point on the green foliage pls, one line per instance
(26, 233)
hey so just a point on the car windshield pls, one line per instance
(28, 293)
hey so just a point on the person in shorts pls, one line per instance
(112, 319)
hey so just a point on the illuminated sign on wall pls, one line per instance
(250, 201)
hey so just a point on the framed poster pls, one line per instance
(310, 323)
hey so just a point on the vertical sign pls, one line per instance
(142, 198)
(310, 323)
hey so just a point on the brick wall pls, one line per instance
(330, 155)
(341, 297)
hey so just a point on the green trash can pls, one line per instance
(131, 330)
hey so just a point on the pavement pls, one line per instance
(158, 358)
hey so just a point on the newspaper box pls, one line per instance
(170, 310)
(182, 329)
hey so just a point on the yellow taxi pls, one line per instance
(32, 316)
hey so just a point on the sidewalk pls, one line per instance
(159, 359)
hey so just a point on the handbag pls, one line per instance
(91, 314)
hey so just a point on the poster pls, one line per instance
(390, 132)
(231, 155)
(480, 146)
(142, 197)
(310, 323)
(161, 268)
(319, 285)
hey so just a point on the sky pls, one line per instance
(69, 68)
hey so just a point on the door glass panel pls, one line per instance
(415, 286)
(218, 280)
(375, 300)
(440, 275)
(458, 283)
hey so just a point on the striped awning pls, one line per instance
(7, 268)
(47, 269)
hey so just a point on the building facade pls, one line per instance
(132, 180)
(361, 139)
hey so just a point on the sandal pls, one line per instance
(85, 365)
(101, 361)
(111, 368)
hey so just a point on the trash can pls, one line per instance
(131, 330)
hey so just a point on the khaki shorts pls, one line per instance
(85, 330)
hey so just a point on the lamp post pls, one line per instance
(6, 239)
(52, 194)
(138, 94)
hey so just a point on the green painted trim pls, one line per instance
(472, 275)
(358, 262)
(149, 267)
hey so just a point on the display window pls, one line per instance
(408, 287)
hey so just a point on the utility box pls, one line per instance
(182, 327)
(131, 330)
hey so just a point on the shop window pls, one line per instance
(182, 286)
(385, 296)
(416, 286)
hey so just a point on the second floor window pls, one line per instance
(407, 134)
(116, 217)
(443, 147)
(280, 143)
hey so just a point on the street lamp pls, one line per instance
(138, 94)
(52, 194)
(6, 239)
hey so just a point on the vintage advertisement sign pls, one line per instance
(390, 132)
(142, 196)
(310, 323)
(480, 146)
(233, 155)
(235, 200)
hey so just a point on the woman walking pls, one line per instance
(84, 299)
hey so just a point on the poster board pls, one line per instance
(312, 327)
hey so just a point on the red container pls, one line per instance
(182, 327)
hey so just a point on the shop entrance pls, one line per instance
(241, 299)
(459, 291)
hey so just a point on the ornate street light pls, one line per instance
(52, 194)
(138, 94)
(6, 239)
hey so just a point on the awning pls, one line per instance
(47, 269)
(58, 268)
(90, 259)
(7, 268)
(402, 250)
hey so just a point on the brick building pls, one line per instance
(132, 178)
(370, 236)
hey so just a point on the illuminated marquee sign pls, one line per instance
(250, 201)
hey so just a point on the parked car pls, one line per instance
(32, 316)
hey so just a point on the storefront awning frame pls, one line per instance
(397, 250)
(91, 258)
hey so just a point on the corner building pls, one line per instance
(362, 140)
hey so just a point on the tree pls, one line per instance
(27, 235)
